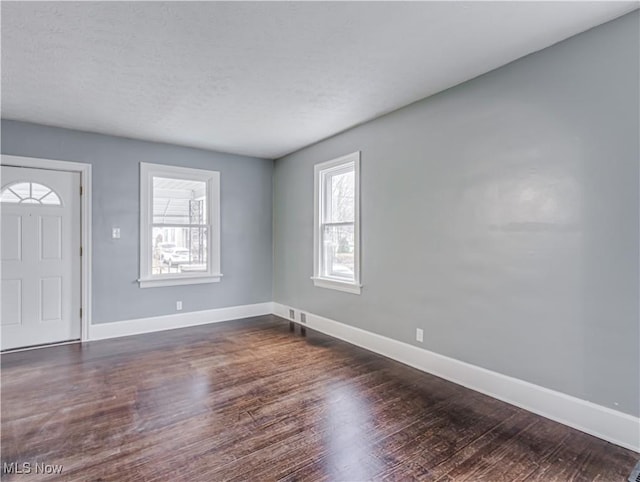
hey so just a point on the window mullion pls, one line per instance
(169, 225)
(346, 223)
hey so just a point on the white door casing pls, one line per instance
(41, 294)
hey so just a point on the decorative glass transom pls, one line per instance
(29, 193)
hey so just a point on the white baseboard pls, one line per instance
(139, 326)
(602, 422)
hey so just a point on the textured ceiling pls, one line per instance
(263, 78)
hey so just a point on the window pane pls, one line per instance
(51, 198)
(338, 252)
(9, 197)
(38, 190)
(178, 250)
(22, 189)
(340, 197)
(179, 201)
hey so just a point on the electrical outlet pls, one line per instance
(419, 335)
(115, 233)
(292, 314)
(178, 305)
(303, 318)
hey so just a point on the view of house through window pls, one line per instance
(179, 235)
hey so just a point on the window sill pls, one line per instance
(178, 281)
(338, 285)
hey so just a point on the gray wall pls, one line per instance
(246, 253)
(500, 216)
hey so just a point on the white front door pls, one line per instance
(40, 212)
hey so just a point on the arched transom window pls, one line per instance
(29, 193)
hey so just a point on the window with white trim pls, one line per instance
(179, 226)
(337, 224)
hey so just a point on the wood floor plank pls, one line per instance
(585, 459)
(250, 400)
(440, 436)
(507, 458)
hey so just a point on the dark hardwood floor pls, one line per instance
(249, 400)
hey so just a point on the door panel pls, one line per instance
(51, 237)
(51, 299)
(40, 256)
(11, 302)
(11, 237)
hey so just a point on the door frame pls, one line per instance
(84, 170)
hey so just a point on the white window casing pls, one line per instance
(161, 265)
(336, 236)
